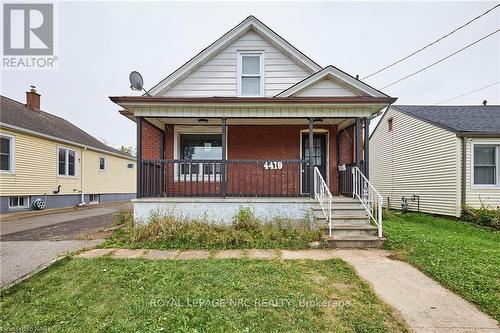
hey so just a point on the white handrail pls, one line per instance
(369, 197)
(324, 197)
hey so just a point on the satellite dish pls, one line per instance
(136, 81)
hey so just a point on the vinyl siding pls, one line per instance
(474, 195)
(217, 77)
(36, 170)
(324, 88)
(116, 178)
(416, 158)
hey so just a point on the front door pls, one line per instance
(319, 156)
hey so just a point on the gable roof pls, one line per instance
(250, 23)
(16, 115)
(462, 119)
(334, 74)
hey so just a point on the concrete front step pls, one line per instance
(344, 220)
(354, 230)
(341, 208)
(353, 242)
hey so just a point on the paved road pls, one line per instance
(29, 243)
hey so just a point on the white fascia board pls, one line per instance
(249, 23)
(337, 74)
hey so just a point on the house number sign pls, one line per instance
(273, 165)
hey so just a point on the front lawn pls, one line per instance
(136, 295)
(463, 257)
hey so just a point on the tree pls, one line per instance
(128, 150)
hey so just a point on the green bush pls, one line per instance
(246, 231)
(484, 215)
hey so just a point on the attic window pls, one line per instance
(389, 122)
(250, 75)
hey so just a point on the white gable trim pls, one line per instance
(336, 74)
(250, 23)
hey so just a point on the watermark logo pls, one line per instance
(28, 36)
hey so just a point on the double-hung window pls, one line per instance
(250, 74)
(6, 153)
(200, 147)
(102, 163)
(486, 164)
(66, 162)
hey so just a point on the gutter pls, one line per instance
(53, 138)
(478, 134)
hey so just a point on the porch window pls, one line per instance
(486, 164)
(66, 162)
(250, 75)
(198, 147)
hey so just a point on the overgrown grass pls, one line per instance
(487, 216)
(246, 231)
(463, 257)
(136, 295)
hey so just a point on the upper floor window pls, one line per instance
(66, 162)
(251, 74)
(6, 153)
(390, 124)
(102, 163)
(486, 160)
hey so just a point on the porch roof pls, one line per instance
(257, 107)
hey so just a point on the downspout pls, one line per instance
(464, 171)
(82, 160)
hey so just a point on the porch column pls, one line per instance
(357, 146)
(367, 147)
(223, 184)
(138, 121)
(311, 164)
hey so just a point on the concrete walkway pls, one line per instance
(423, 303)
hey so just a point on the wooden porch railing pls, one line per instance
(346, 179)
(232, 178)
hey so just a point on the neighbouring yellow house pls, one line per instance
(47, 161)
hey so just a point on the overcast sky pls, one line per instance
(101, 42)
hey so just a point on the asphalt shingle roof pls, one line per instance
(458, 118)
(17, 114)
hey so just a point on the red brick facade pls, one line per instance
(151, 141)
(257, 142)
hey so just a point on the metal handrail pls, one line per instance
(324, 197)
(369, 197)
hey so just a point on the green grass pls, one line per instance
(246, 231)
(463, 257)
(136, 295)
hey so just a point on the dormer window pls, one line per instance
(250, 74)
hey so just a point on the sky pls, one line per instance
(100, 43)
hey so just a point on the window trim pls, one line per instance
(497, 164)
(105, 163)
(66, 175)
(240, 75)
(186, 129)
(26, 205)
(12, 156)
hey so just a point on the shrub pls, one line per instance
(245, 231)
(484, 215)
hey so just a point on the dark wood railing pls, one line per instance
(232, 178)
(345, 178)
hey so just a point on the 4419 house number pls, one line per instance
(273, 165)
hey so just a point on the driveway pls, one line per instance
(29, 243)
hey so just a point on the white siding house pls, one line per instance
(417, 150)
